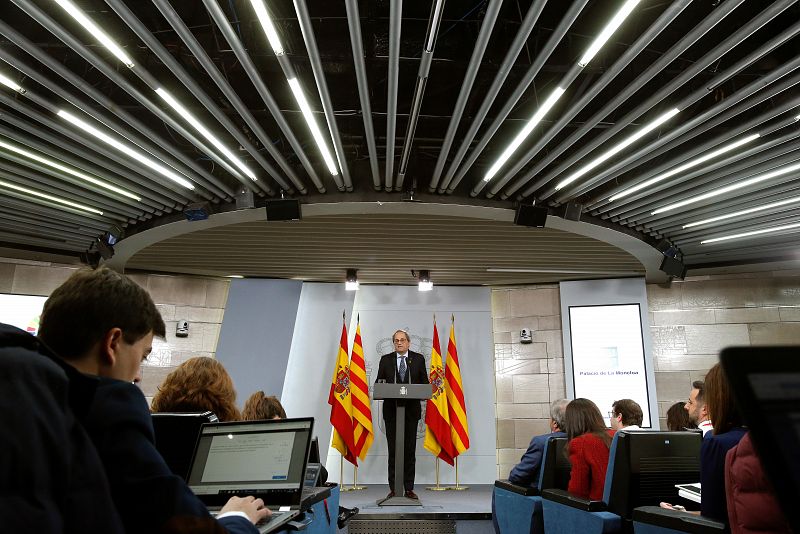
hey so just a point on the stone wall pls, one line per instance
(199, 300)
(690, 321)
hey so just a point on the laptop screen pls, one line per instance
(262, 458)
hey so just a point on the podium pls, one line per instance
(412, 392)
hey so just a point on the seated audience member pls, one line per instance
(678, 418)
(589, 442)
(526, 472)
(52, 478)
(697, 409)
(626, 414)
(727, 432)
(197, 385)
(260, 406)
(752, 506)
(102, 324)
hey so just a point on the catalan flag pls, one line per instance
(437, 419)
(359, 393)
(341, 403)
(457, 408)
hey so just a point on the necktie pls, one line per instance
(403, 369)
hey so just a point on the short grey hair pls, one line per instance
(557, 410)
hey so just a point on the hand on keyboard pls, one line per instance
(254, 508)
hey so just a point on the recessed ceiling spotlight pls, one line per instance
(351, 280)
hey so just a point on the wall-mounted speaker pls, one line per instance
(673, 267)
(284, 209)
(531, 216)
(572, 211)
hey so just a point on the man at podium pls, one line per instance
(402, 367)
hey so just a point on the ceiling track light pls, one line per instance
(608, 31)
(297, 91)
(68, 170)
(96, 32)
(524, 133)
(727, 189)
(686, 166)
(753, 233)
(205, 132)
(618, 148)
(748, 211)
(51, 198)
(125, 149)
(424, 281)
(351, 280)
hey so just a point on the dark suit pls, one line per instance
(417, 373)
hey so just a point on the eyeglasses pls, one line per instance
(611, 414)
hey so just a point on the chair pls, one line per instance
(656, 520)
(519, 508)
(176, 435)
(643, 469)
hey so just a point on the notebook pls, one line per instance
(266, 459)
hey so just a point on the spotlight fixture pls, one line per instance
(351, 280)
(424, 279)
(197, 211)
(104, 248)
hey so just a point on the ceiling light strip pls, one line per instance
(98, 34)
(618, 147)
(752, 233)
(125, 149)
(267, 26)
(608, 31)
(525, 132)
(748, 211)
(312, 125)
(727, 189)
(686, 166)
(11, 84)
(68, 170)
(49, 197)
(191, 119)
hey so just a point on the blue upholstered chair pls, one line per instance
(643, 469)
(518, 509)
(655, 520)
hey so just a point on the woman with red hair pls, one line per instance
(197, 385)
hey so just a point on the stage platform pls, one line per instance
(440, 512)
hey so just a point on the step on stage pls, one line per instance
(439, 512)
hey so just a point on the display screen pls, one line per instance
(608, 360)
(22, 311)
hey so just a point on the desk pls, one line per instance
(321, 523)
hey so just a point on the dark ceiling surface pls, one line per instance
(728, 70)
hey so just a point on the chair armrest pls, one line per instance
(676, 520)
(527, 491)
(566, 498)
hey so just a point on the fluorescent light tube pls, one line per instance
(98, 34)
(749, 234)
(560, 271)
(608, 31)
(125, 149)
(312, 124)
(437, 14)
(526, 131)
(68, 170)
(191, 119)
(266, 24)
(49, 197)
(743, 212)
(685, 166)
(11, 84)
(727, 189)
(619, 147)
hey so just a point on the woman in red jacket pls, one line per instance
(589, 441)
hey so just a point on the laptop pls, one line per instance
(176, 435)
(689, 491)
(766, 386)
(266, 459)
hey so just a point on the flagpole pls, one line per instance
(342, 487)
(458, 487)
(437, 487)
(356, 487)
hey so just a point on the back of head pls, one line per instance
(582, 416)
(260, 406)
(89, 304)
(678, 417)
(197, 385)
(557, 409)
(630, 411)
(719, 401)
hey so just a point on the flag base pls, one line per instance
(344, 488)
(437, 488)
(356, 488)
(458, 488)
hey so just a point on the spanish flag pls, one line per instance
(457, 409)
(437, 419)
(362, 413)
(341, 403)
